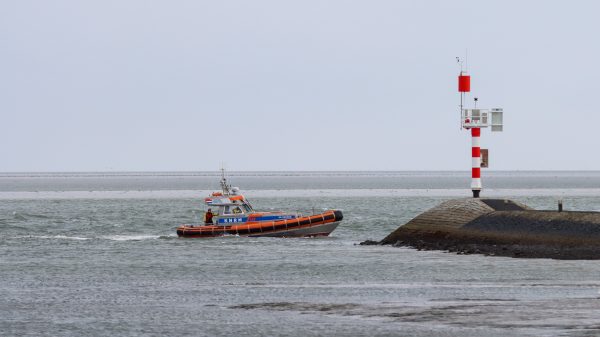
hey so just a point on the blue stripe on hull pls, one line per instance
(239, 220)
(275, 217)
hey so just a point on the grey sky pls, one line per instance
(294, 85)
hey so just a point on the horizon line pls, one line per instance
(281, 171)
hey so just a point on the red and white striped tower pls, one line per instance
(475, 119)
(464, 86)
(476, 162)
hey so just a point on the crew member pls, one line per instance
(208, 217)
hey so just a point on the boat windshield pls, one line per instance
(234, 209)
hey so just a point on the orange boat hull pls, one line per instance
(314, 225)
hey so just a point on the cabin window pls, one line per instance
(226, 210)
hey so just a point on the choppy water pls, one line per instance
(110, 264)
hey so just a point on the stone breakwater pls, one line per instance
(501, 227)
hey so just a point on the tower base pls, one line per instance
(476, 193)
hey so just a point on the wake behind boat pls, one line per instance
(235, 215)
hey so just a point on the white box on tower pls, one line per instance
(497, 122)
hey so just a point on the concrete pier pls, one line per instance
(501, 227)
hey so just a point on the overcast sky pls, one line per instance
(294, 85)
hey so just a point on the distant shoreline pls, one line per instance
(280, 173)
(296, 193)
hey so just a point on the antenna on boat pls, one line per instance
(226, 188)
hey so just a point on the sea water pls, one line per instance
(96, 254)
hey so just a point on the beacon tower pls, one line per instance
(475, 119)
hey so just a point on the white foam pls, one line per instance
(130, 237)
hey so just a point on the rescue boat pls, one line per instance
(235, 215)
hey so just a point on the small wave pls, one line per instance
(18, 216)
(297, 306)
(54, 237)
(131, 237)
(27, 216)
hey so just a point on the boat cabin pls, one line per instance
(229, 208)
